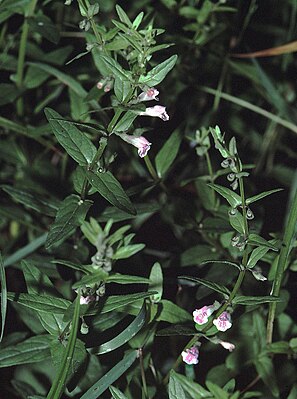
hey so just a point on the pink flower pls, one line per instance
(150, 94)
(139, 142)
(201, 315)
(227, 345)
(157, 110)
(223, 322)
(190, 356)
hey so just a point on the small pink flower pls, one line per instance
(150, 94)
(227, 345)
(85, 300)
(201, 315)
(100, 85)
(139, 142)
(190, 356)
(223, 322)
(157, 110)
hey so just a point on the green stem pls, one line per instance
(114, 120)
(245, 223)
(211, 175)
(151, 168)
(144, 385)
(22, 54)
(281, 266)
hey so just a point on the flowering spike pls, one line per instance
(190, 356)
(157, 110)
(223, 322)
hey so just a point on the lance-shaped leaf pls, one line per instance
(112, 375)
(31, 350)
(76, 144)
(110, 188)
(175, 388)
(40, 303)
(254, 300)
(116, 393)
(108, 65)
(168, 153)
(233, 198)
(32, 200)
(71, 214)
(209, 284)
(157, 74)
(262, 195)
(123, 337)
(194, 390)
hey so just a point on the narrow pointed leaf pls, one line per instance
(159, 72)
(71, 214)
(76, 143)
(31, 350)
(168, 153)
(233, 198)
(175, 388)
(262, 195)
(194, 390)
(254, 300)
(40, 303)
(110, 188)
(123, 336)
(116, 393)
(209, 284)
(111, 376)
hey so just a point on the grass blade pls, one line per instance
(3, 297)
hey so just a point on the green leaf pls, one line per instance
(217, 391)
(40, 303)
(237, 221)
(233, 198)
(175, 388)
(44, 26)
(111, 376)
(254, 300)
(112, 67)
(118, 215)
(118, 278)
(255, 239)
(31, 350)
(197, 255)
(76, 144)
(262, 195)
(32, 200)
(156, 282)
(128, 251)
(26, 250)
(137, 21)
(256, 255)
(116, 393)
(91, 279)
(159, 72)
(194, 390)
(209, 284)
(60, 380)
(265, 370)
(62, 77)
(121, 88)
(206, 194)
(71, 214)
(110, 188)
(120, 301)
(124, 336)
(171, 312)
(168, 153)
(3, 296)
(123, 16)
(125, 122)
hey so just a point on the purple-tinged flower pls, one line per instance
(85, 300)
(148, 95)
(190, 356)
(227, 345)
(139, 142)
(157, 110)
(201, 315)
(223, 322)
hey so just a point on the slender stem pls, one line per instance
(151, 168)
(282, 264)
(211, 174)
(22, 54)
(144, 385)
(114, 120)
(245, 223)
